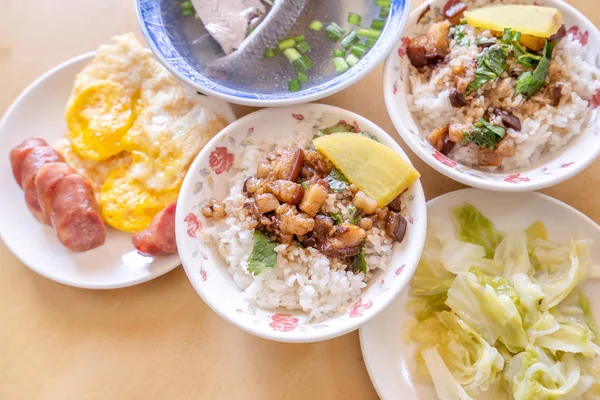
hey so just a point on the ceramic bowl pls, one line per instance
(550, 169)
(183, 46)
(209, 177)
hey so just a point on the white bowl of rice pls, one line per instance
(306, 296)
(558, 127)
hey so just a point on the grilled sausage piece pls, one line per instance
(18, 154)
(159, 238)
(75, 214)
(34, 160)
(45, 182)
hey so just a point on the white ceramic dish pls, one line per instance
(39, 112)
(390, 361)
(549, 170)
(208, 178)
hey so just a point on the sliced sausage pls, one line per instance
(45, 183)
(33, 161)
(159, 238)
(18, 154)
(75, 214)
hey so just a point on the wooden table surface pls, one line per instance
(159, 340)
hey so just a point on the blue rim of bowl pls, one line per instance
(154, 31)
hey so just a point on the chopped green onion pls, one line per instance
(287, 43)
(187, 5)
(370, 42)
(303, 64)
(302, 77)
(385, 11)
(358, 50)
(334, 31)
(352, 60)
(299, 61)
(316, 25)
(338, 53)
(340, 65)
(369, 32)
(378, 24)
(303, 47)
(269, 53)
(187, 12)
(299, 38)
(354, 19)
(294, 85)
(291, 54)
(349, 40)
(383, 3)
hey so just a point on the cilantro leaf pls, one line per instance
(370, 136)
(541, 71)
(336, 217)
(458, 33)
(337, 181)
(510, 36)
(490, 65)
(484, 134)
(530, 83)
(525, 58)
(353, 215)
(358, 262)
(263, 256)
(523, 83)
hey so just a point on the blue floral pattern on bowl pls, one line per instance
(160, 23)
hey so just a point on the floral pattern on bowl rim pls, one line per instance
(208, 178)
(551, 168)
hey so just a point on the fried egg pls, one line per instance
(127, 205)
(135, 130)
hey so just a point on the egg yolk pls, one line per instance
(98, 118)
(127, 205)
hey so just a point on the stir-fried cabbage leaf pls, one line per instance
(457, 256)
(472, 361)
(533, 374)
(490, 304)
(560, 273)
(474, 228)
(512, 252)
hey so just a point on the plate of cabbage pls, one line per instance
(502, 305)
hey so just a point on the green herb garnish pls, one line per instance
(368, 135)
(458, 33)
(490, 65)
(484, 40)
(358, 262)
(523, 57)
(353, 215)
(531, 83)
(337, 181)
(263, 256)
(336, 217)
(484, 134)
(339, 127)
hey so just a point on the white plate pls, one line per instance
(39, 112)
(391, 362)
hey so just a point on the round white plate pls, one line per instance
(39, 112)
(390, 361)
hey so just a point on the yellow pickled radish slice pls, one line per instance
(538, 21)
(373, 167)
